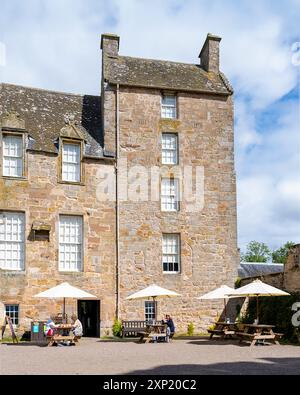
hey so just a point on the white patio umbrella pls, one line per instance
(257, 289)
(219, 293)
(153, 291)
(64, 291)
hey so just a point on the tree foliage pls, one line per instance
(280, 255)
(257, 252)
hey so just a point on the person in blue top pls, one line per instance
(170, 327)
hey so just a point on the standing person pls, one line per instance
(170, 327)
(77, 326)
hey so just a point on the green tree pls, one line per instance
(280, 255)
(257, 252)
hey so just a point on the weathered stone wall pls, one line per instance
(292, 270)
(209, 256)
(41, 197)
(275, 280)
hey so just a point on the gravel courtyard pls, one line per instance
(194, 356)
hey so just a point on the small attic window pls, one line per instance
(169, 106)
(71, 161)
(40, 231)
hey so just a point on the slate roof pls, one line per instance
(44, 114)
(253, 269)
(160, 74)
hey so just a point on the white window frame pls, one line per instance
(12, 158)
(169, 195)
(69, 246)
(12, 241)
(150, 309)
(169, 148)
(170, 254)
(12, 313)
(67, 163)
(169, 110)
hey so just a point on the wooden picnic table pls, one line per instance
(153, 331)
(223, 329)
(258, 332)
(60, 336)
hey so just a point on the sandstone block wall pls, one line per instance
(42, 198)
(292, 270)
(209, 255)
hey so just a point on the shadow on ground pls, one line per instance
(264, 366)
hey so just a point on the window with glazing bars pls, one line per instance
(70, 243)
(171, 253)
(12, 240)
(71, 162)
(168, 106)
(12, 155)
(12, 311)
(150, 311)
(169, 149)
(169, 194)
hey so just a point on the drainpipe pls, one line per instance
(117, 204)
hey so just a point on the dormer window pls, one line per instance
(168, 106)
(13, 155)
(71, 162)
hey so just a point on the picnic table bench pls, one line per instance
(59, 336)
(257, 333)
(135, 328)
(157, 331)
(223, 329)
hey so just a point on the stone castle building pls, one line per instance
(56, 150)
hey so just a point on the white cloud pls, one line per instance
(55, 45)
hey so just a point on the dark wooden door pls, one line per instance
(89, 315)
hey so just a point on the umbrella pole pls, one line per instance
(225, 309)
(64, 310)
(257, 310)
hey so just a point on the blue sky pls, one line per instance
(54, 44)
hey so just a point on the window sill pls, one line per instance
(169, 119)
(170, 164)
(70, 271)
(12, 271)
(15, 178)
(71, 183)
(172, 273)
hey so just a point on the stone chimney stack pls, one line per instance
(210, 54)
(110, 44)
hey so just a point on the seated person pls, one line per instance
(50, 326)
(170, 327)
(77, 326)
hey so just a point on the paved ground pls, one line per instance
(199, 356)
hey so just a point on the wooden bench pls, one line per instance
(59, 338)
(134, 328)
(254, 337)
(213, 332)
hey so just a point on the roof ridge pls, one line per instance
(163, 61)
(46, 90)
